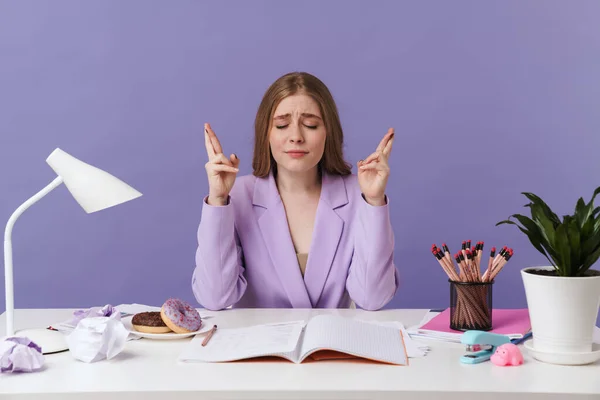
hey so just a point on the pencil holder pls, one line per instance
(471, 305)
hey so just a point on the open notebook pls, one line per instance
(295, 341)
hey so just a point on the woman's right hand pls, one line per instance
(221, 170)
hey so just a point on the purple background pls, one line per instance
(488, 99)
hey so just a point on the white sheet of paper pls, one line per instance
(239, 343)
(356, 337)
(131, 309)
(413, 349)
(125, 309)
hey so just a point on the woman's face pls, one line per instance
(297, 136)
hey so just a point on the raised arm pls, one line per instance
(373, 278)
(218, 280)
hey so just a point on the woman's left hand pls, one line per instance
(374, 171)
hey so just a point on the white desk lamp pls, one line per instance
(94, 190)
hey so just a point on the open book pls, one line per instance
(295, 341)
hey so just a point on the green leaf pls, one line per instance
(563, 250)
(590, 260)
(506, 221)
(544, 224)
(587, 211)
(531, 230)
(588, 228)
(545, 227)
(596, 193)
(584, 211)
(589, 243)
(581, 212)
(574, 244)
(549, 213)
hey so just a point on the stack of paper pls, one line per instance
(514, 323)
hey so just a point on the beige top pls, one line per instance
(302, 258)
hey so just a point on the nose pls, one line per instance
(296, 135)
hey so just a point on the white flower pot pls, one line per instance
(563, 311)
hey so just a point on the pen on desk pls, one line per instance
(207, 338)
(524, 338)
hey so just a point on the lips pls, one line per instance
(296, 153)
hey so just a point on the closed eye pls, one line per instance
(285, 126)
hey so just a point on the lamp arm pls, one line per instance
(8, 261)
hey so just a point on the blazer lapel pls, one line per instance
(276, 234)
(326, 235)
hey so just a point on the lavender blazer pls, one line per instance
(246, 258)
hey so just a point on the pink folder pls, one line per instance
(511, 322)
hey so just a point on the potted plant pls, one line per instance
(564, 297)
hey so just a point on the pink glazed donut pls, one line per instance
(180, 316)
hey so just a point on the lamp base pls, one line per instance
(50, 341)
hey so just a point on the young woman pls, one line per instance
(301, 231)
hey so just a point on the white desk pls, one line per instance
(149, 370)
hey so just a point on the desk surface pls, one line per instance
(149, 369)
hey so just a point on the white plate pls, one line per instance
(564, 358)
(205, 327)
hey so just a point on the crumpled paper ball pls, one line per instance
(106, 311)
(97, 338)
(19, 354)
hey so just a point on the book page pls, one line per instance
(293, 355)
(362, 339)
(230, 344)
(413, 348)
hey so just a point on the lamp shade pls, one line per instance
(93, 188)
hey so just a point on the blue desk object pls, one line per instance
(481, 345)
(521, 340)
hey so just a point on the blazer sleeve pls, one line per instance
(373, 279)
(218, 280)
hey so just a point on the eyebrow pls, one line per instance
(306, 115)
